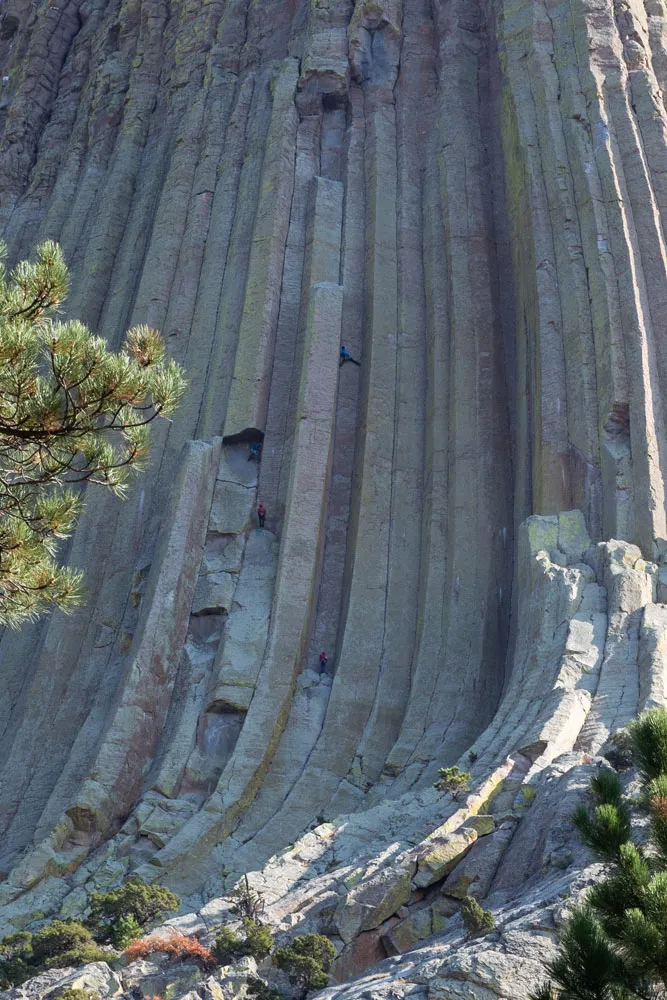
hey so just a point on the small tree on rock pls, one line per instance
(121, 914)
(307, 961)
(475, 919)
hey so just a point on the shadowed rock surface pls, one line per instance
(470, 195)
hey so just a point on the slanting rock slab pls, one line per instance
(482, 824)
(474, 875)
(406, 934)
(372, 901)
(441, 854)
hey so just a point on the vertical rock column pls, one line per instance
(251, 383)
(321, 264)
(296, 588)
(126, 752)
(375, 43)
(475, 583)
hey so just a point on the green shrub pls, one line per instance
(59, 944)
(227, 947)
(648, 740)
(120, 915)
(475, 919)
(60, 937)
(72, 993)
(257, 941)
(124, 930)
(259, 989)
(307, 961)
(15, 959)
(82, 954)
(452, 779)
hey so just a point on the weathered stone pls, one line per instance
(230, 509)
(97, 976)
(439, 856)
(371, 902)
(573, 537)
(482, 824)
(214, 594)
(468, 197)
(406, 934)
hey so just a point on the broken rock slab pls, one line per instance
(373, 901)
(407, 933)
(440, 855)
(214, 594)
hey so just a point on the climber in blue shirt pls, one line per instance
(346, 356)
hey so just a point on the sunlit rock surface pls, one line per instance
(469, 195)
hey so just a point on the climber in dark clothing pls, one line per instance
(261, 514)
(346, 356)
(323, 662)
(255, 452)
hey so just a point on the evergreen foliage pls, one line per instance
(71, 411)
(475, 919)
(259, 989)
(257, 941)
(452, 779)
(120, 915)
(55, 946)
(614, 946)
(228, 946)
(307, 961)
(75, 993)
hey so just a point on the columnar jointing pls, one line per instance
(468, 195)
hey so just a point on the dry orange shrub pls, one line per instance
(178, 947)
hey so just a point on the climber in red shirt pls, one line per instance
(261, 514)
(323, 661)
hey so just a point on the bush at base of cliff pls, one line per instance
(257, 942)
(59, 944)
(307, 961)
(259, 989)
(120, 915)
(475, 919)
(452, 779)
(228, 946)
(74, 993)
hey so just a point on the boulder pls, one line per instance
(573, 539)
(482, 824)
(440, 855)
(406, 934)
(97, 976)
(372, 901)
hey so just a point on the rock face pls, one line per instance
(469, 195)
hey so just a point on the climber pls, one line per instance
(346, 356)
(261, 514)
(255, 452)
(323, 662)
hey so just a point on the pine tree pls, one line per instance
(614, 946)
(71, 412)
